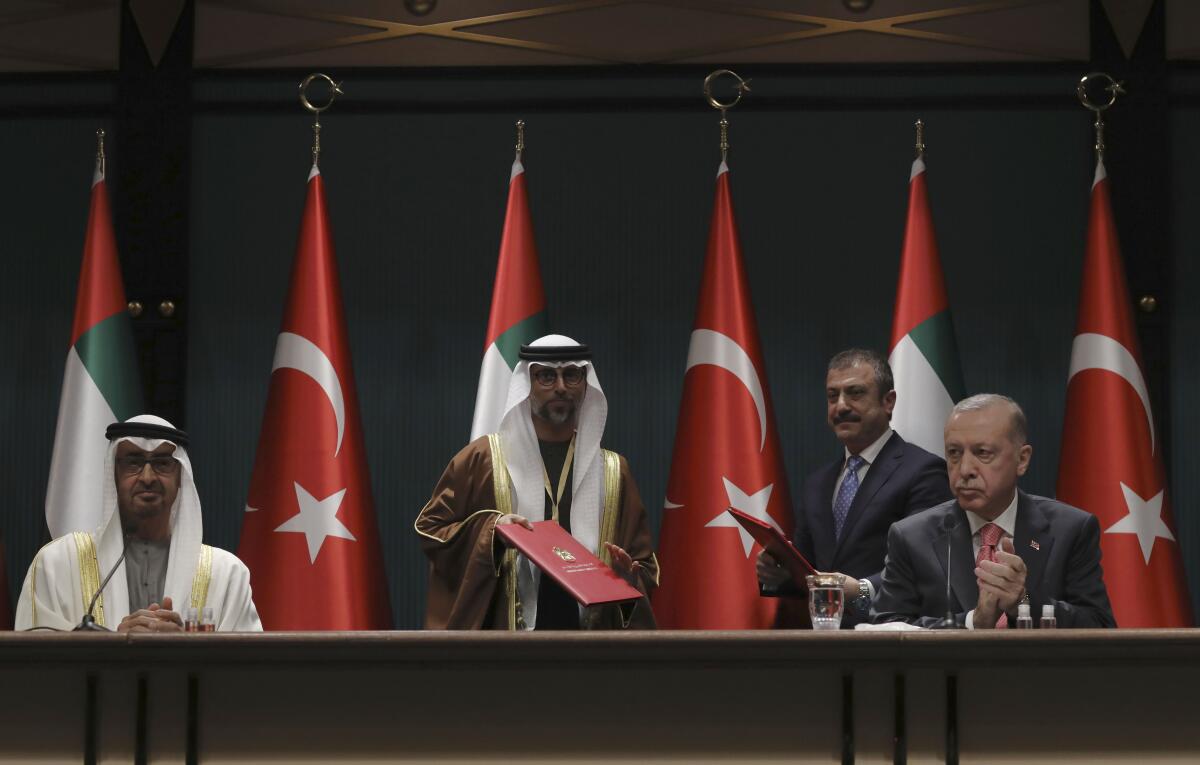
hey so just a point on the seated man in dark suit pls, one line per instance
(848, 505)
(1005, 546)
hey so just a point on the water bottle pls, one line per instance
(1048, 620)
(1024, 620)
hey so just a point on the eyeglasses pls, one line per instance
(133, 465)
(547, 376)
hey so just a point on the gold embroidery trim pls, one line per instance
(37, 559)
(612, 504)
(89, 574)
(203, 577)
(450, 538)
(502, 488)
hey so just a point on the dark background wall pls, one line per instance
(621, 204)
(621, 164)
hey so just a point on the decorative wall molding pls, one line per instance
(275, 33)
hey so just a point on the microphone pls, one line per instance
(88, 622)
(948, 621)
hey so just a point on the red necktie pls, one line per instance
(989, 538)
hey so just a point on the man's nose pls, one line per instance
(146, 474)
(968, 467)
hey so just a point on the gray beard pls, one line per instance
(551, 416)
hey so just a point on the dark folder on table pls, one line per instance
(775, 543)
(560, 556)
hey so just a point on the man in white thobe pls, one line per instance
(149, 538)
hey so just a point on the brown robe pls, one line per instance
(469, 568)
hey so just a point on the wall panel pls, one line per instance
(621, 198)
(49, 149)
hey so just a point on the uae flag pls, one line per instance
(726, 453)
(100, 382)
(924, 356)
(1112, 458)
(518, 314)
(309, 534)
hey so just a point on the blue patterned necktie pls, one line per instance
(845, 495)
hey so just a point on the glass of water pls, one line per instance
(825, 600)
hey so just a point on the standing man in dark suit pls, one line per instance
(848, 505)
(1006, 547)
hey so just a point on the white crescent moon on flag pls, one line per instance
(1093, 351)
(709, 347)
(299, 353)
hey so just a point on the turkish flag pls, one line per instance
(309, 534)
(1112, 458)
(726, 453)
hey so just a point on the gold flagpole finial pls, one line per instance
(920, 125)
(335, 90)
(742, 88)
(520, 138)
(1113, 88)
(100, 150)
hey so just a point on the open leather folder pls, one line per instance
(774, 542)
(560, 556)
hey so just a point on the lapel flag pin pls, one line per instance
(1034, 544)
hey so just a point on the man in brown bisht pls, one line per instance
(545, 463)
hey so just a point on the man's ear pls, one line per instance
(1023, 458)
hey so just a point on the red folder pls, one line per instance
(775, 543)
(560, 556)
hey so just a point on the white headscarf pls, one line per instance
(527, 473)
(187, 529)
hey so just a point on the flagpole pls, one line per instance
(100, 162)
(742, 88)
(1111, 462)
(1113, 88)
(920, 125)
(309, 574)
(520, 140)
(335, 90)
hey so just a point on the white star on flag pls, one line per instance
(317, 520)
(1144, 519)
(750, 504)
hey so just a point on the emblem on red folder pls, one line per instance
(564, 554)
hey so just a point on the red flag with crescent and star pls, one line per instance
(726, 453)
(309, 534)
(1112, 457)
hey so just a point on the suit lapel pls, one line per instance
(881, 470)
(1032, 540)
(962, 564)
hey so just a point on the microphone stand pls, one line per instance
(948, 621)
(88, 622)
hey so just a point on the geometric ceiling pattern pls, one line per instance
(74, 35)
(58, 35)
(234, 33)
(1183, 30)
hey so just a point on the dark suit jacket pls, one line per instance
(1060, 545)
(904, 479)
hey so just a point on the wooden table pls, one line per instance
(680, 697)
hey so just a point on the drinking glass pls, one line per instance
(825, 600)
